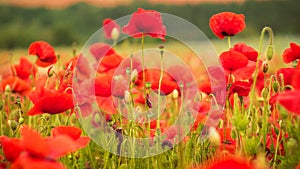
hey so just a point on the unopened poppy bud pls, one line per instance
(215, 138)
(21, 120)
(127, 97)
(265, 67)
(148, 85)
(128, 71)
(115, 33)
(133, 75)
(50, 71)
(13, 124)
(7, 89)
(265, 93)
(161, 47)
(175, 94)
(270, 52)
(275, 86)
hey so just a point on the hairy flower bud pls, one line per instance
(270, 52)
(115, 33)
(275, 86)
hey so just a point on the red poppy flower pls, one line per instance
(240, 87)
(145, 22)
(246, 50)
(16, 84)
(32, 150)
(232, 60)
(108, 26)
(24, 69)
(232, 163)
(110, 59)
(107, 105)
(245, 72)
(290, 100)
(292, 53)
(103, 85)
(205, 86)
(227, 24)
(168, 84)
(45, 99)
(44, 51)
(72, 132)
(287, 75)
(228, 142)
(296, 79)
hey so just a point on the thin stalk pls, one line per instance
(229, 41)
(159, 92)
(252, 92)
(276, 149)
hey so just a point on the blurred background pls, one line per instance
(67, 22)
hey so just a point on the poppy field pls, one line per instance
(140, 94)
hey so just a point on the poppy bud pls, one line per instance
(291, 146)
(215, 138)
(7, 89)
(13, 124)
(133, 75)
(21, 120)
(270, 52)
(127, 97)
(161, 47)
(175, 94)
(275, 86)
(265, 67)
(265, 93)
(128, 71)
(115, 33)
(148, 85)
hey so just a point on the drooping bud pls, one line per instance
(264, 93)
(13, 124)
(265, 67)
(275, 86)
(270, 52)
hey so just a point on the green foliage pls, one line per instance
(20, 26)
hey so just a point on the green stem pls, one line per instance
(229, 42)
(252, 93)
(143, 69)
(276, 149)
(159, 92)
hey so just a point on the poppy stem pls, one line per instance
(252, 93)
(143, 69)
(159, 90)
(229, 41)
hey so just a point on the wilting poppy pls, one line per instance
(44, 99)
(24, 69)
(232, 60)
(227, 24)
(290, 100)
(111, 28)
(292, 53)
(246, 50)
(240, 87)
(44, 51)
(145, 22)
